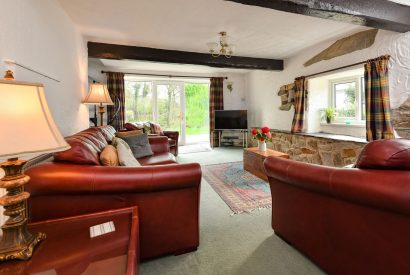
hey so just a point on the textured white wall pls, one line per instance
(262, 99)
(40, 35)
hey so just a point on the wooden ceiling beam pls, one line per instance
(118, 52)
(380, 14)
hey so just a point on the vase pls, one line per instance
(262, 146)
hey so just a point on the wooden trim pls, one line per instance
(380, 14)
(119, 52)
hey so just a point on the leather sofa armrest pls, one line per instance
(72, 179)
(159, 144)
(172, 134)
(382, 189)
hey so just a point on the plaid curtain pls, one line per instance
(115, 85)
(300, 104)
(378, 123)
(216, 102)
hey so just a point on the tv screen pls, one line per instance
(231, 119)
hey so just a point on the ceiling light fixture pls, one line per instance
(226, 48)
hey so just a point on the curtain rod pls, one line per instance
(336, 69)
(166, 75)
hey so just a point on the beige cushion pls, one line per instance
(116, 140)
(126, 157)
(109, 156)
(128, 133)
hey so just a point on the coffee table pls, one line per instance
(69, 249)
(253, 160)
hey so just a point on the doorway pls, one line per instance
(176, 105)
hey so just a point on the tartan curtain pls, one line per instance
(115, 85)
(378, 122)
(216, 102)
(300, 104)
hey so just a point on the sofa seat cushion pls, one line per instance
(158, 159)
(172, 142)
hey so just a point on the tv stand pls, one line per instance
(229, 140)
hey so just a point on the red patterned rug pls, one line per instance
(240, 190)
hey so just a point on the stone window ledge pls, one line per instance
(354, 125)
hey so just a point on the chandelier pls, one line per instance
(225, 49)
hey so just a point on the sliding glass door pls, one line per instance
(175, 105)
(170, 107)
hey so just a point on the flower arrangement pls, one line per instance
(263, 134)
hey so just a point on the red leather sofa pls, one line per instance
(167, 195)
(172, 136)
(348, 221)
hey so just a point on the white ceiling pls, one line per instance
(188, 25)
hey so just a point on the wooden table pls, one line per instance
(69, 249)
(253, 160)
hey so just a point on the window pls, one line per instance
(347, 98)
(138, 101)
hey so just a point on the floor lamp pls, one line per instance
(99, 94)
(27, 128)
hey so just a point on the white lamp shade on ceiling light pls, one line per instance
(98, 94)
(26, 124)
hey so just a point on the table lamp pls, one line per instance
(27, 128)
(99, 94)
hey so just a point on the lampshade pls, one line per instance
(26, 124)
(98, 94)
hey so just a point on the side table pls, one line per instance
(253, 160)
(69, 249)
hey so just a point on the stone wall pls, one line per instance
(314, 149)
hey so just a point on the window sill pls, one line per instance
(354, 125)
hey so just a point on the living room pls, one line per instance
(332, 197)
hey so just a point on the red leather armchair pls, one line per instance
(348, 221)
(167, 196)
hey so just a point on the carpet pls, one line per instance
(239, 189)
(194, 148)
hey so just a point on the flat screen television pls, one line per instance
(231, 119)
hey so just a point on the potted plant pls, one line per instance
(262, 135)
(328, 114)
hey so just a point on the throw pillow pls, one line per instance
(109, 156)
(116, 141)
(156, 129)
(128, 133)
(147, 127)
(139, 145)
(125, 156)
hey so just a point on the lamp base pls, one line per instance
(17, 243)
(21, 251)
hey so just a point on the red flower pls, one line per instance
(265, 130)
(254, 132)
(262, 139)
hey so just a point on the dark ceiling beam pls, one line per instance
(112, 51)
(380, 14)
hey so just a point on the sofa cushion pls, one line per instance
(108, 132)
(385, 154)
(139, 145)
(156, 129)
(95, 136)
(126, 157)
(129, 133)
(158, 159)
(81, 152)
(133, 126)
(109, 156)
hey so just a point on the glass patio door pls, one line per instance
(170, 107)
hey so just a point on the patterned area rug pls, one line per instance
(241, 191)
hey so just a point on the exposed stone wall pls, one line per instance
(317, 150)
(401, 119)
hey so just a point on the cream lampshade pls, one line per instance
(99, 94)
(26, 127)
